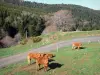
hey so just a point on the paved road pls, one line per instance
(16, 58)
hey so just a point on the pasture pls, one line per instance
(85, 61)
(46, 40)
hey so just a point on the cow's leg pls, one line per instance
(73, 47)
(78, 47)
(37, 65)
(29, 60)
(45, 67)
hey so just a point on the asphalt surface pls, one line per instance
(22, 56)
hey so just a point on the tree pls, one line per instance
(63, 20)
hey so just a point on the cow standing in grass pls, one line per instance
(37, 55)
(76, 45)
(41, 59)
(33, 56)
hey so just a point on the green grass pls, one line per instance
(17, 49)
(74, 62)
(60, 35)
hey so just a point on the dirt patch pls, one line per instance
(31, 69)
(28, 68)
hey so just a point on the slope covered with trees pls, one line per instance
(24, 14)
(31, 18)
(21, 19)
(84, 18)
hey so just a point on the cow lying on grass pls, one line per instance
(41, 59)
(76, 45)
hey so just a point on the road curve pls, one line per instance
(22, 56)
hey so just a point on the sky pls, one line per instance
(94, 4)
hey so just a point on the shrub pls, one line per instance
(23, 42)
(37, 39)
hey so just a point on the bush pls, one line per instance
(37, 39)
(24, 42)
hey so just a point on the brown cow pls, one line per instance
(42, 61)
(32, 56)
(49, 55)
(76, 45)
(37, 55)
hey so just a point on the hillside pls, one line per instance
(84, 18)
(13, 1)
(32, 19)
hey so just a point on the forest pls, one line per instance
(32, 18)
